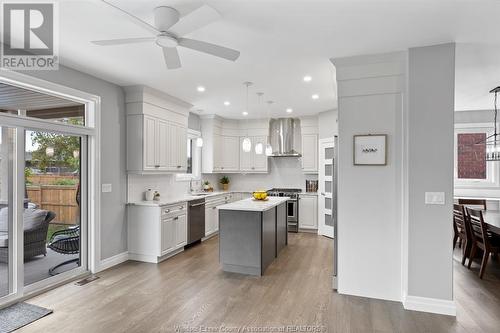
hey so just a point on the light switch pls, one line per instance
(434, 198)
(106, 188)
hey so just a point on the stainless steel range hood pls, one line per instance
(284, 137)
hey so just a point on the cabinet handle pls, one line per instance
(181, 207)
(222, 168)
(323, 194)
(176, 218)
(214, 207)
(167, 210)
(157, 166)
(178, 167)
(253, 168)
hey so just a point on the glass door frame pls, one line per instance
(91, 169)
(323, 228)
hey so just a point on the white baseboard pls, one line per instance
(432, 305)
(113, 261)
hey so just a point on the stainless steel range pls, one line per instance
(292, 205)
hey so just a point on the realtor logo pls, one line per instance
(29, 36)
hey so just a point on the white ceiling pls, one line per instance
(280, 42)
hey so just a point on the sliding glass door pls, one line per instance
(43, 209)
(54, 226)
(7, 137)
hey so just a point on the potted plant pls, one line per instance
(206, 185)
(225, 183)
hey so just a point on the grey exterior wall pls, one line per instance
(113, 152)
(431, 87)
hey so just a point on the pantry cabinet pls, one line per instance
(156, 132)
(310, 153)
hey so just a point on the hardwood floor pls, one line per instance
(190, 290)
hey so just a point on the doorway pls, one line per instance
(47, 172)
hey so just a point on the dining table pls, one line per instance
(492, 219)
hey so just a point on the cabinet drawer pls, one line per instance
(172, 210)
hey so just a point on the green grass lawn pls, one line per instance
(56, 227)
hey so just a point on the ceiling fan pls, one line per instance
(168, 27)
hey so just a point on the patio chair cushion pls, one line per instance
(32, 218)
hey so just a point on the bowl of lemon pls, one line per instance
(260, 195)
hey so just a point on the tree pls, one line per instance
(64, 148)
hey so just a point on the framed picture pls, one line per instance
(370, 149)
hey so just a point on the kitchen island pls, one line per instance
(251, 234)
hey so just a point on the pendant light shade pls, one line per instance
(259, 148)
(199, 142)
(269, 150)
(246, 145)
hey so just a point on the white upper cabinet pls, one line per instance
(222, 145)
(310, 153)
(156, 131)
(250, 162)
(230, 154)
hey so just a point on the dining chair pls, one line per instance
(473, 202)
(482, 239)
(461, 229)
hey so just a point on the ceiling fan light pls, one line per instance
(246, 145)
(259, 148)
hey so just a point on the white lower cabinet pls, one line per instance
(308, 211)
(212, 214)
(156, 233)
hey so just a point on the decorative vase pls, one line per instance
(225, 187)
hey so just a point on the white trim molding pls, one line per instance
(431, 305)
(113, 261)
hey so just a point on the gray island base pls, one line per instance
(251, 234)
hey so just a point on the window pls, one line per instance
(471, 168)
(193, 158)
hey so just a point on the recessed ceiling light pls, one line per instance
(227, 103)
(315, 96)
(244, 113)
(200, 88)
(289, 110)
(307, 78)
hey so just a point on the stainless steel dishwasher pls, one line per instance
(196, 220)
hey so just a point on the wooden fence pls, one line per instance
(61, 199)
(48, 179)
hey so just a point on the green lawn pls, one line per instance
(55, 227)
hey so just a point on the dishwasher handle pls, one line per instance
(198, 204)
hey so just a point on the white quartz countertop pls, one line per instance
(253, 205)
(182, 198)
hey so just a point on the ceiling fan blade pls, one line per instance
(123, 41)
(171, 57)
(134, 18)
(215, 50)
(198, 18)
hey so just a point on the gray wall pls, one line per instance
(431, 87)
(327, 124)
(113, 152)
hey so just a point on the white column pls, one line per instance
(371, 91)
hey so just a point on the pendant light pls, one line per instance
(269, 148)
(259, 147)
(492, 142)
(246, 144)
